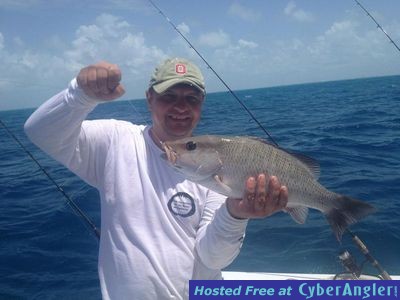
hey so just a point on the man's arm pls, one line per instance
(222, 231)
(56, 126)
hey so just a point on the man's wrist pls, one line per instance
(229, 207)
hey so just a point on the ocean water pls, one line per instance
(351, 127)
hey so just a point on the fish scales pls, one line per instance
(264, 158)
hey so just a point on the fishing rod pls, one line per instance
(215, 72)
(350, 264)
(363, 248)
(377, 24)
(71, 202)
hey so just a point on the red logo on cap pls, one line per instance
(180, 69)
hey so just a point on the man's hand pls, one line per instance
(101, 81)
(258, 200)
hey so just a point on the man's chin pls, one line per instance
(179, 133)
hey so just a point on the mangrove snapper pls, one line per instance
(223, 164)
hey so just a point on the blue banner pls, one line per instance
(294, 289)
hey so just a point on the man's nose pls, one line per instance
(181, 104)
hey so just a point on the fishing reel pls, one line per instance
(354, 271)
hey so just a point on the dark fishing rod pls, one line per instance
(351, 266)
(215, 72)
(71, 202)
(364, 250)
(377, 24)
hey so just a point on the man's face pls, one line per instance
(176, 111)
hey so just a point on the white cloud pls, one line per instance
(111, 38)
(30, 60)
(136, 55)
(300, 15)
(183, 28)
(111, 25)
(346, 48)
(108, 38)
(216, 39)
(236, 60)
(55, 44)
(179, 47)
(340, 42)
(343, 50)
(18, 42)
(290, 7)
(341, 27)
(243, 12)
(247, 44)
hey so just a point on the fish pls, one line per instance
(224, 163)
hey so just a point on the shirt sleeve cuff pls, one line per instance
(227, 221)
(80, 96)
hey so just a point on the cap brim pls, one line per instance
(165, 85)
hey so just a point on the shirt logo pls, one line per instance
(180, 69)
(182, 204)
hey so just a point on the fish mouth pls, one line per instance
(170, 153)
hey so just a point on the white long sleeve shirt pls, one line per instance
(158, 230)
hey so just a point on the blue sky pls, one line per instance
(251, 44)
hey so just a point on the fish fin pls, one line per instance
(347, 211)
(311, 164)
(218, 179)
(298, 213)
(262, 140)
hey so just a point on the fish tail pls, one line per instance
(347, 211)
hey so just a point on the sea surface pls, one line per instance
(351, 127)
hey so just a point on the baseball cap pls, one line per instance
(175, 71)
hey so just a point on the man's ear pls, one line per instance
(149, 98)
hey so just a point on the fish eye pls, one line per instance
(191, 146)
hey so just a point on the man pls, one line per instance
(158, 230)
